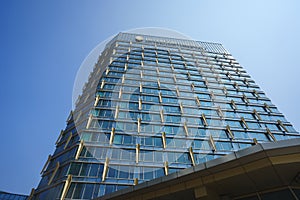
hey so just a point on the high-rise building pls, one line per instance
(153, 106)
(12, 196)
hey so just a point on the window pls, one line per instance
(100, 153)
(172, 118)
(246, 115)
(149, 128)
(259, 136)
(123, 154)
(171, 109)
(150, 107)
(150, 117)
(236, 124)
(193, 120)
(150, 156)
(224, 146)
(240, 135)
(243, 145)
(177, 143)
(120, 172)
(149, 98)
(85, 169)
(147, 173)
(169, 100)
(203, 96)
(206, 103)
(290, 128)
(86, 136)
(122, 126)
(151, 141)
(202, 158)
(188, 102)
(218, 133)
(173, 130)
(201, 144)
(124, 139)
(174, 157)
(197, 131)
(253, 125)
(272, 127)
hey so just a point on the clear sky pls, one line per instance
(44, 42)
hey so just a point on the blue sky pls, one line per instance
(43, 44)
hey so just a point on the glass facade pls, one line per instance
(151, 107)
(11, 196)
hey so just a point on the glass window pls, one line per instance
(231, 114)
(290, 128)
(275, 118)
(224, 146)
(259, 136)
(88, 192)
(150, 107)
(174, 157)
(149, 98)
(124, 139)
(177, 143)
(188, 102)
(253, 125)
(147, 173)
(279, 137)
(193, 120)
(201, 144)
(282, 194)
(172, 170)
(240, 135)
(191, 111)
(172, 118)
(243, 145)
(150, 128)
(122, 126)
(151, 141)
(246, 115)
(272, 127)
(203, 96)
(186, 94)
(275, 110)
(84, 169)
(236, 124)
(169, 100)
(173, 130)
(215, 122)
(101, 153)
(112, 172)
(94, 169)
(150, 156)
(150, 117)
(198, 131)
(86, 136)
(209, 112)
(206, 103)
(218, 133)
(265, 117)
(78, 191)
(74, 168)
(202, 158)
(171, 109)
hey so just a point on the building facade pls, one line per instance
(153, 106)
(12, 196)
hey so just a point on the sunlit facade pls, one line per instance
(153, 106)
